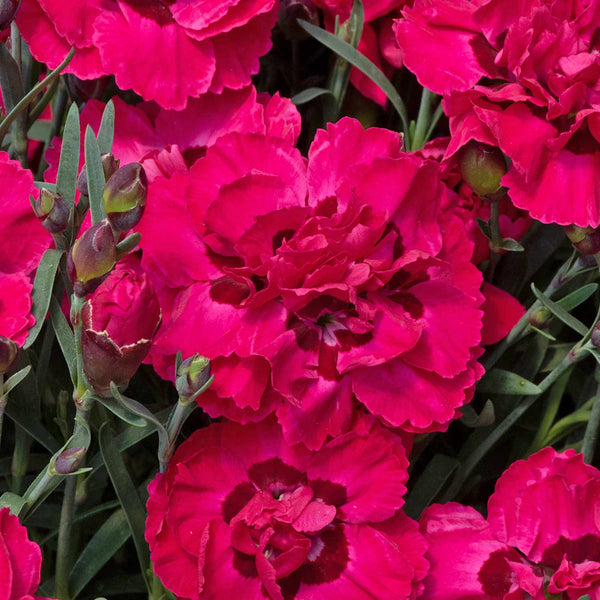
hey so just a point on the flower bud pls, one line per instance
(595, 337)
(69, 460)
(125, 196)
(8, 354)
(109, 165)
(289, 13)
(585, 240)
(192, 375)
(52, 211)
(540, 318)
(482, 167)
(118, 323)
(8, 10)
(92, 258)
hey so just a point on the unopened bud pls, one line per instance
(585, 240)
(595, 337)
(109, 165)
(92, 258)
(192, 375)
(69, 460)
(8, 9)
(289, 13)
(125, 196)
(52, 211)
(540, 318)
(8, 354)
(482, 167)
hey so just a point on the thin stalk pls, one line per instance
(423, 119)
(31, 96)
(565, 273)
(20, 459)
(590, 438)
(63, 553)
(496, 241)
(439, 111)
(576, 354)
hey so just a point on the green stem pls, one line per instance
(496, 241)
(565, 273)
(32, 95)
(423, 120)
(576, 354)
(81, 387)
(175, 422)
(20, 458)
(63, 553)
(552, 406)
(590, 438)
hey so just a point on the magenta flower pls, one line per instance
(167, 141)
(22, 239)
(241, 513)
(20, 560)
(15, 307)
(543, 60)
(307, 286)
(119, 321)
(142, 42)
(541, 536)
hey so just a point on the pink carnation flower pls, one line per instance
(168, 141)
(22, 239)
(308, 285)
(142, 42)
(20, 560)
(545, 57)
(15, 307)
(240, 513)
(541, 536)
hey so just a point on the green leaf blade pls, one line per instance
(560, 313)
(95, 176)
(127, 494)
(499, 381)
(107, 129)
(68, 166)
(42, 291)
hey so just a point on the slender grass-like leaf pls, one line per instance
(42, 290)
(111, 535)
(429, 484)
(68, 166)
(107, 129)
(309, 94)
(559, 312)
(14, 380)
(126, 493)
(95, 175)
(65, 337)
(499, 381)
(362, 63)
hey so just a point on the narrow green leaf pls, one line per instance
(42, 184)
(547, 335)
(511, 245)
(13, 502)
(107, 129)
(111, 535)
(122, 412)
(42, 291)
(68, 167)
(139, 409)
(579, 296)
(14, 380)
(429, 484)
(309, 94)
(126, 493)
(499, 381)
(594, 352)
(485, 228)
(362, 63)
(65, 337)
(471, 419)
(560, 312)
(95, 175)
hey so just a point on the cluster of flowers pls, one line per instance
(337, 296)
